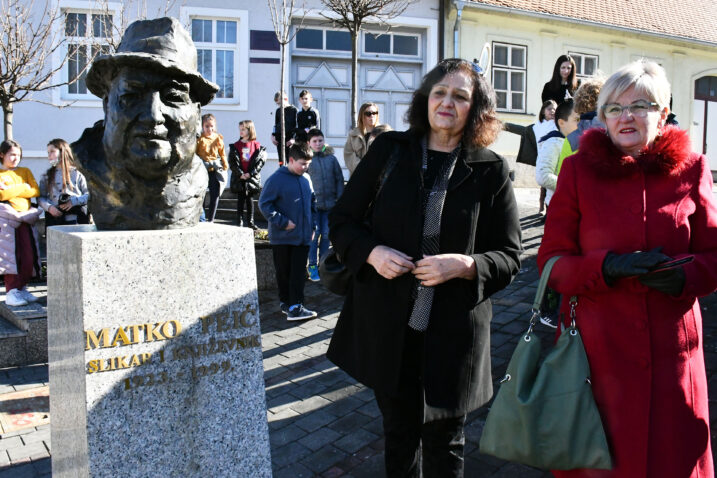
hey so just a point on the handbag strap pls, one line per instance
(540, 293)
(543, 283)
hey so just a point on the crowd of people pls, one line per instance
(428, 228)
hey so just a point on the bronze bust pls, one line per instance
(140, 161)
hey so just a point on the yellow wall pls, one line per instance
(548, 39)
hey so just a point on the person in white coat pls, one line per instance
(549, 147)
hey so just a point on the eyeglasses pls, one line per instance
(638, 109)
(370, 113)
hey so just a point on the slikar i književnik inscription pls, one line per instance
(220, 322)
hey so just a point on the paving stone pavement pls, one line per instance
(321, 422)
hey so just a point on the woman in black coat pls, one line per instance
(444, 235)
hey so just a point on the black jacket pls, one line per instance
(256, 162)
(556, 94)
(528, 152)
(290, 113)
(480, 218)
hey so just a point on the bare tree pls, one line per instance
(27, 46)
(129, 11)
(281, 18)
(351, 15)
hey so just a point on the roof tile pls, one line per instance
(688, 19)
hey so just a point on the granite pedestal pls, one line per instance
(155, 354)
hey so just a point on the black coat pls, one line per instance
(480, 218)
(256, 162)
(528, 152)
(557, 93)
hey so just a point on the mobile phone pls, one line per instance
(663, 266)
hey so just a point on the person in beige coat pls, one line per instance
(361, 137)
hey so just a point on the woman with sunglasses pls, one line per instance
(361, 137)
(633, 198)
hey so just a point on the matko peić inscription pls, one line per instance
(222, 322)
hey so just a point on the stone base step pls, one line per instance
(12, 345)
(9, 330)
(23, 330)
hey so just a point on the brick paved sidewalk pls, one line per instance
(321, 422)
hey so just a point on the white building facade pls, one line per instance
(237, 49)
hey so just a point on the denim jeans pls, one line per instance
(321, 238)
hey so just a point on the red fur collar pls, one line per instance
(669, 154)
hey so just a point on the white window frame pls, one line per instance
(579, 58)
(323, 41)
(240, 101)
(61, 96)
(391, 53)
(509, 69)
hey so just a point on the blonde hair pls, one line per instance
(363, 108)
(645, 76)
(249, 125)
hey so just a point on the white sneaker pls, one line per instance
(14, 298)
(27, 295)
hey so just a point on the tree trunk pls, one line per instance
(354, 76)
(282, 122)
(7, 111)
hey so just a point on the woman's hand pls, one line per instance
(390, 263)
(54, 211)
(617, 266)
(434, 270)
(65, 206)
(290, 226)
(244, 176)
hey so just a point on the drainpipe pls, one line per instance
(456, 29)
(441, 29)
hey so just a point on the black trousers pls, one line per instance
(82, 217)
(213, 196)
(416, 447)
(290, 267)
(244, 202)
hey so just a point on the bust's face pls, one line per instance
(150, 123)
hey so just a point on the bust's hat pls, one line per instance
(160, 43)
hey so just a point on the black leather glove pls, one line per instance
(617, 266)
(669, 281)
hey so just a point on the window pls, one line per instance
(391, 43)
(216, 42)
(706, 88)
(87, 35)
(221, 37)
(585, 65)
(319, 39)
(509, 76)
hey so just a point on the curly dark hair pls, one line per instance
(586, 96)
(482, 125)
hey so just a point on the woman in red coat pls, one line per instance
(638, 187)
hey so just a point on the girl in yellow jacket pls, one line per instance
(18, 240)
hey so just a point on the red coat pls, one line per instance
(644, 347)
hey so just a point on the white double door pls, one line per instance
(388, 85)
(704, 132)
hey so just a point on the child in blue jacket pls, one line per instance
(289, 204)
(328, 181)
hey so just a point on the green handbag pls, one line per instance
(544, 415)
